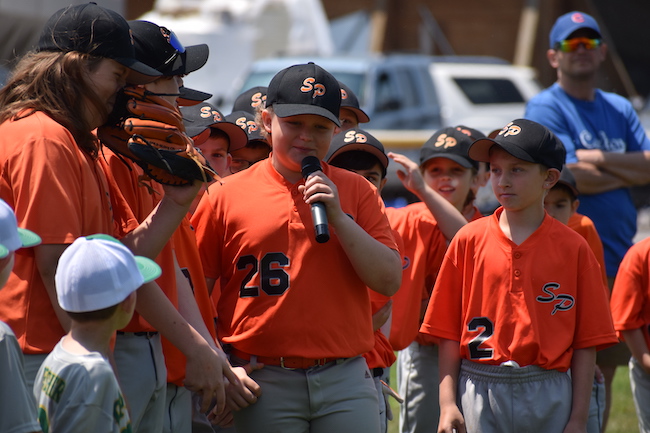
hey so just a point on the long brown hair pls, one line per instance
(54, 83)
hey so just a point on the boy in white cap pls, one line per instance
(19, 416)
(76, 388)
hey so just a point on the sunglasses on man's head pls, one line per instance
(571, 45)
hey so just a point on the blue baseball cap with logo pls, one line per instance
(569, 23)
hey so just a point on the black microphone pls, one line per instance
(311, 164)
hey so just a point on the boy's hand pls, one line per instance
(182, 195)
(205, 371)
(451, 420)
(382, 315)
(246, 391)
(319, 187)
(410, 176)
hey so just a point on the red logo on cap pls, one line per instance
(308, 85)
(344, 94)
(577, 18)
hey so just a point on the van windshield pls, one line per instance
(489, 90)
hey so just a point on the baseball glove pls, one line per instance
(150, 131)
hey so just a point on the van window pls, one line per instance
(489, 90)
(409, 96)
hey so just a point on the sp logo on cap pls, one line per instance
(355, 137)
(247, 125)
(207, 112)
(308, 85)
(445, 141)
(257, 99)
(344, 94)
(577, 18)
(510, 129)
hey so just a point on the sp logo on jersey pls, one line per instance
(563, 302)
(308, 85)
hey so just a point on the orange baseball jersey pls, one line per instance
(142, 197)
(382, 355)
(631, 293)
(187, 255)
(533, 303)
(282, 293)
(60, 193)
(424, 249)
(586, 228)
(426, 339)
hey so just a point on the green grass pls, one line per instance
(622, 418)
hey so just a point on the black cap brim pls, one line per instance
(362, 117)
(194, 58)
(453, 157)
(480, 150)
(363, 147)
(188, 97)
(139, 72)
(287, 110)
(237, 136)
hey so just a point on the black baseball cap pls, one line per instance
(189, 96)
(450, 143)
(357, 139)
(305, 89)
(251, 99)
(526, 140)
(246, 121)
(567, 179)
(350, 101)
(158, 47)
(91, 29)
(204, 116)
(474, 134)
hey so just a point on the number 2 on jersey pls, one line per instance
(487, 327)
(273, 279)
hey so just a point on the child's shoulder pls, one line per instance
(640, 249)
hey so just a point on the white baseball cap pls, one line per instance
(11, 236)
(97, 272)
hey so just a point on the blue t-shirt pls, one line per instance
(609, 123)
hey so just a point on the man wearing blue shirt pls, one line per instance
(607, 148)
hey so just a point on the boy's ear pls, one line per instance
(574, 206)
(382, 184)
(266, 120)
(552, 176)
(128, 304)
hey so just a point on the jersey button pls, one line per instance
(517, 273)
(517, 255)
